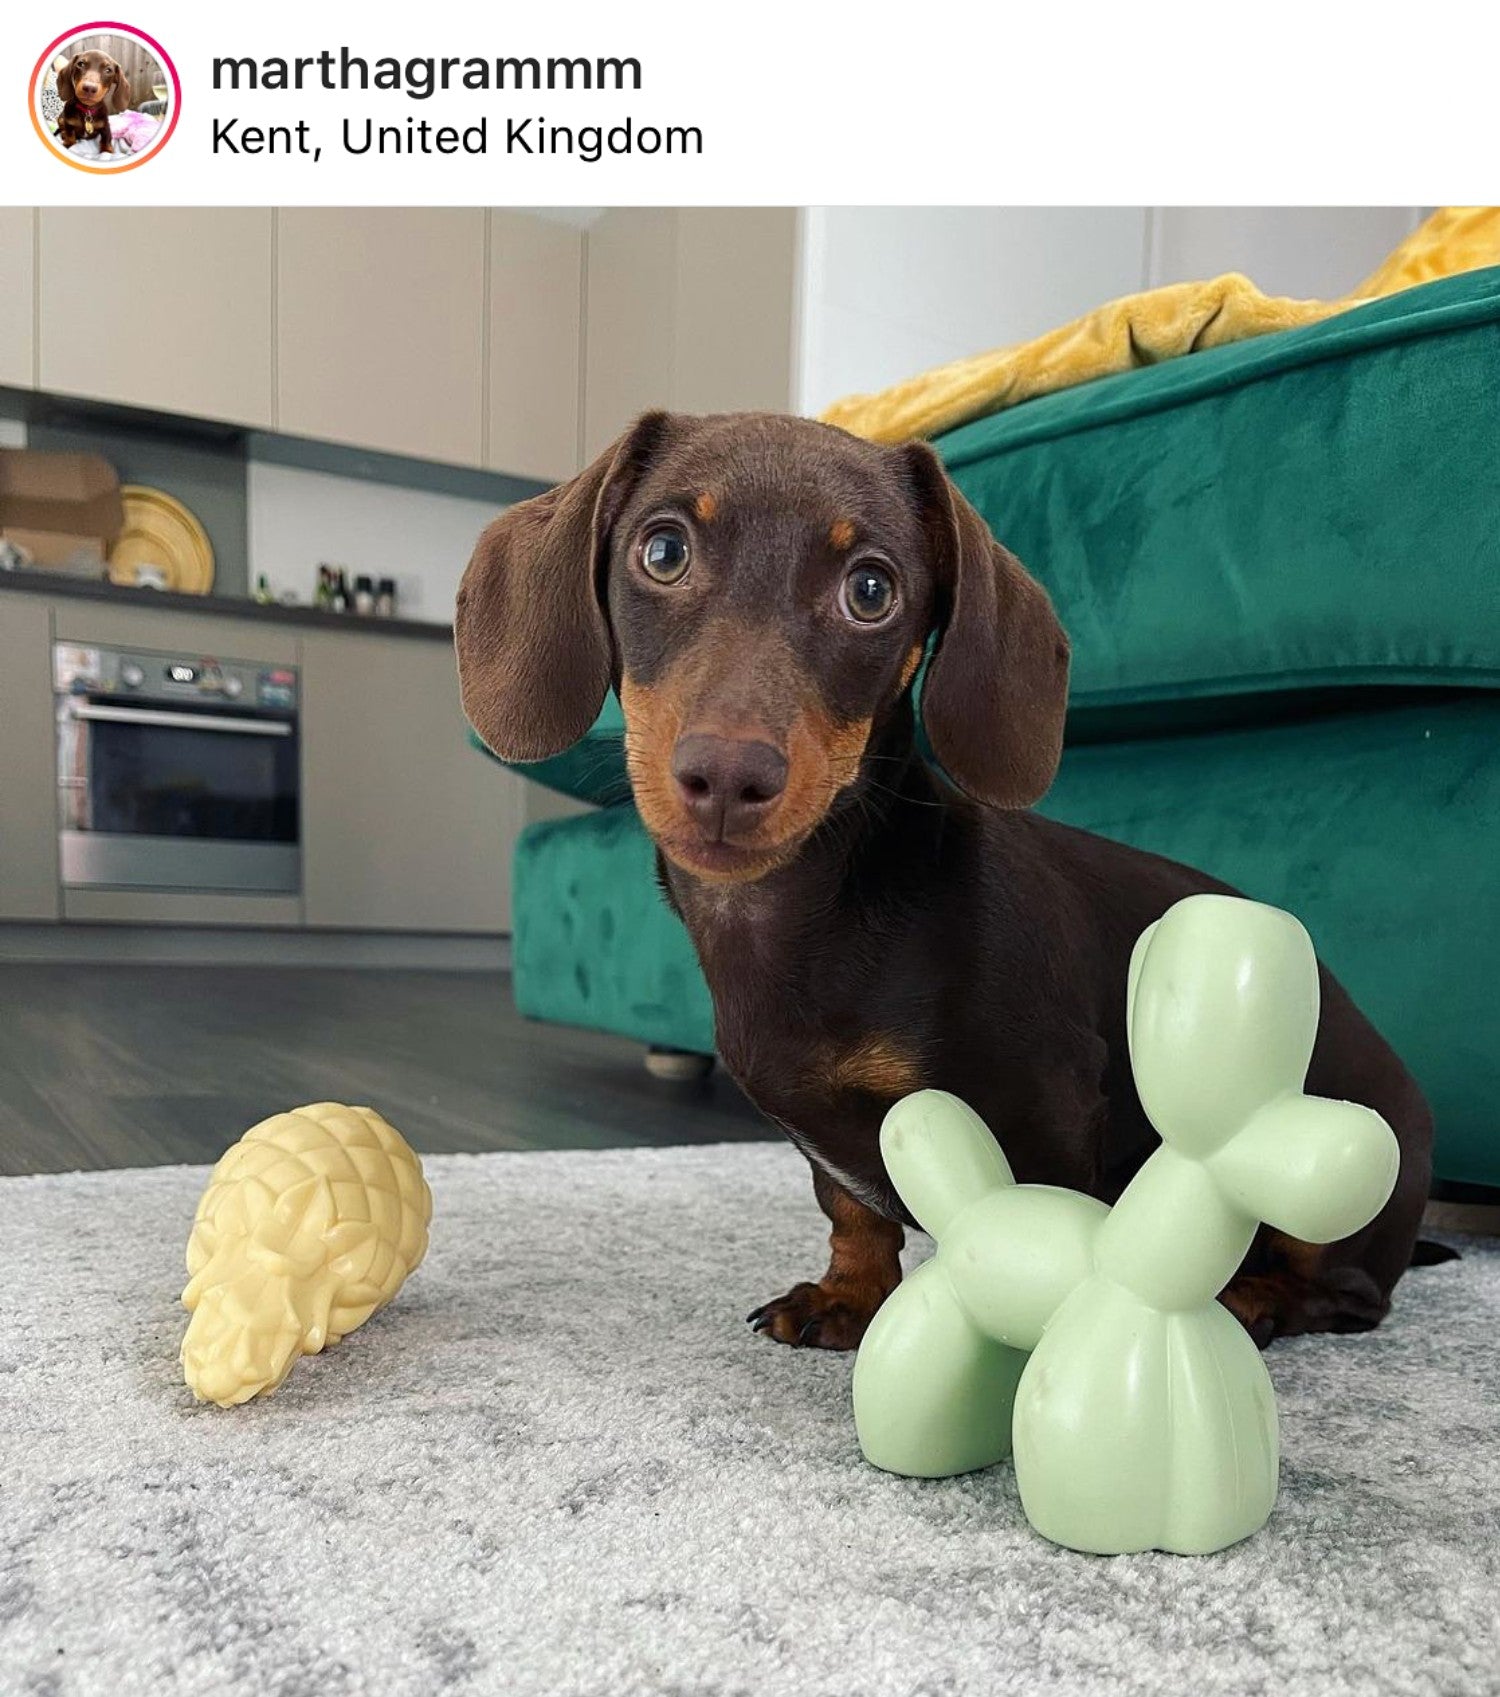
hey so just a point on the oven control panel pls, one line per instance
(83, 670)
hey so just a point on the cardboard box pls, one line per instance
(63, 510)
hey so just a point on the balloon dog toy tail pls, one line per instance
(1087, 1338)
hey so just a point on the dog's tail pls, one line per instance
(1428, 1252)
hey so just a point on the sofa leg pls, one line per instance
(677, 1066)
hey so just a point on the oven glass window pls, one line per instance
(167, 781)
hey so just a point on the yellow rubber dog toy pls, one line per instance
(309, 1225)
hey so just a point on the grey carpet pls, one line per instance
(561, 1464)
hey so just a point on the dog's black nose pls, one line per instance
(728, 783)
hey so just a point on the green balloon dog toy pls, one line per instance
(1088, 1338)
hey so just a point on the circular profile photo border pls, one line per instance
(158, 52)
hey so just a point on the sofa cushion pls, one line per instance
(1311, 508)
(593, 941)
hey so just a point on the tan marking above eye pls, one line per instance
(706, 507)
(842, 534)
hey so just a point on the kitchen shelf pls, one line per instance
(401, 471)
(55, 584)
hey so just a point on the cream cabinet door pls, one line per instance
(28, 760)
(535, 338)
(168, 308)
(405, 827)
(17, 296)
(630, 320)
(380, 328)
(690, 307)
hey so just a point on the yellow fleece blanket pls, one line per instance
(1147, 328)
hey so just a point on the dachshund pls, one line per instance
(761, 591)
(92, 85)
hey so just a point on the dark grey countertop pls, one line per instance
(225, 606)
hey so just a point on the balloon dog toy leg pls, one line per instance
(936, 1375)
(1140, 1412)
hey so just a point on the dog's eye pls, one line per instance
(664, 555)
(869, 593)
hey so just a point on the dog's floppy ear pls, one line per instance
(534, 653)
(996, 690)
(119, 97)
(65, 87)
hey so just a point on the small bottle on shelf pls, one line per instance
(385, 599)
(364, 596)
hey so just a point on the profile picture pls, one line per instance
(104, 97)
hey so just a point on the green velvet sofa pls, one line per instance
(1279, 563)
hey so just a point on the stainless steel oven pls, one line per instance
(176, 771)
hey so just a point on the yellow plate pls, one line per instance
(159, 531)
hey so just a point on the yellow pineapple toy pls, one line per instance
(310, 1223)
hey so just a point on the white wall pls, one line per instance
(300, 519)
(886, 292)
(1307, 252)
(889, 291)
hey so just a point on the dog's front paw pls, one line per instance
(820, 1316)
(1282, 1304)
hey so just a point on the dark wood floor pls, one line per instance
(139, 1065)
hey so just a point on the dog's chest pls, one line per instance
(798, 1030)
(828, 1089)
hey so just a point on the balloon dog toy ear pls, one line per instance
(1141, 1414)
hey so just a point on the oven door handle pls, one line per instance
(181, 721)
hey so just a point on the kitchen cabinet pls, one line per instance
(629, 320)
(168, 308)
(687, 307)
(380, 315)
(472, 338)
(175, 907)
(28, 771)
(404, 825)
(736, 293)
(107, 624)
(17, 296)
(535, 346)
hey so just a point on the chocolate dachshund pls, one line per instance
(91, 85)
(761, 592)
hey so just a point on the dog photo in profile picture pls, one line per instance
(104, 100)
